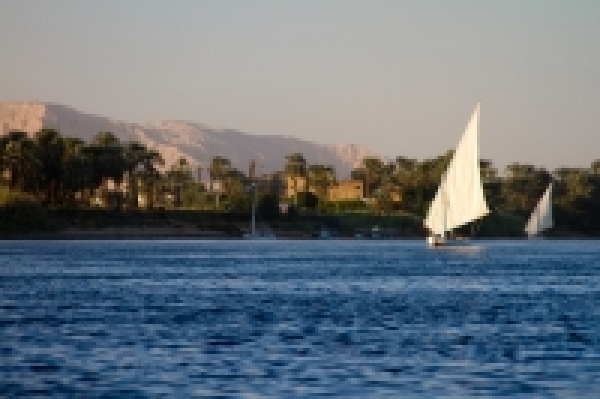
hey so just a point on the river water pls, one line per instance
(299, 319)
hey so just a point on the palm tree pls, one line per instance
(595, 167)
(236, 184)
(374, 171)
(320, 178)
(295, 165)
(140, 167)
(76, 169)
(218, 170)
(149, 175)
(19, 159)
(178, 179)
(112, 159)
(108, 159)
(49, 151)
(295, 171)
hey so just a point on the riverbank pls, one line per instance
(101, 224)
(152, 233)
(122, 233)
(191, 224)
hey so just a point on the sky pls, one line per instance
(400, 77)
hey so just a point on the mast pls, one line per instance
(251, 173)
(444, 211)
(538, 227)
(253, 226)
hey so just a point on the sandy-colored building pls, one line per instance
(295, 184)
(396, 195)
(346, 190)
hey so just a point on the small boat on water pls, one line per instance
(254, 233)
(460, 198)
(541, 218)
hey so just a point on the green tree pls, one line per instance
(19, 160)
(149, 176)
(574, 200)
(218, 169)
(492, 184)
(111, 158)
(141, 168)
(295, 165)
(49, 152)
(180, 182)
(21, 213)
(76, 170)
(268, 206)
(595, 167)
(107, 161)
(306, 200)
(236, 185)
(374, 173)
(320, 178)
(523, 186)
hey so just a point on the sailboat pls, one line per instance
(460, 198)
(254, 233)
(541, 217)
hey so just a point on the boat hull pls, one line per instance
(442, 242)
(436, 241)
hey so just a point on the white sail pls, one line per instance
(541, 218)
(460, 198)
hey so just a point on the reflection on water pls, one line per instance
(348, 319)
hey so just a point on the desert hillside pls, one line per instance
(174, 139)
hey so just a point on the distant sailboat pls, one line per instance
(460, 198)
(541, 217)
(254, 233)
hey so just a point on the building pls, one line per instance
(346, 190)
(294, 185)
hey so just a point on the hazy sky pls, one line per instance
(399, 77)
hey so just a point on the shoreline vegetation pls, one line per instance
(182, 224)
(56, 187)
(34, 223)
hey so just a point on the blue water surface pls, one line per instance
(299, 319)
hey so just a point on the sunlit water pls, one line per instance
(279, 319)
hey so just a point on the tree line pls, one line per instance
(63, 172)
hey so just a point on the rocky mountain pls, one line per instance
(173, 139)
